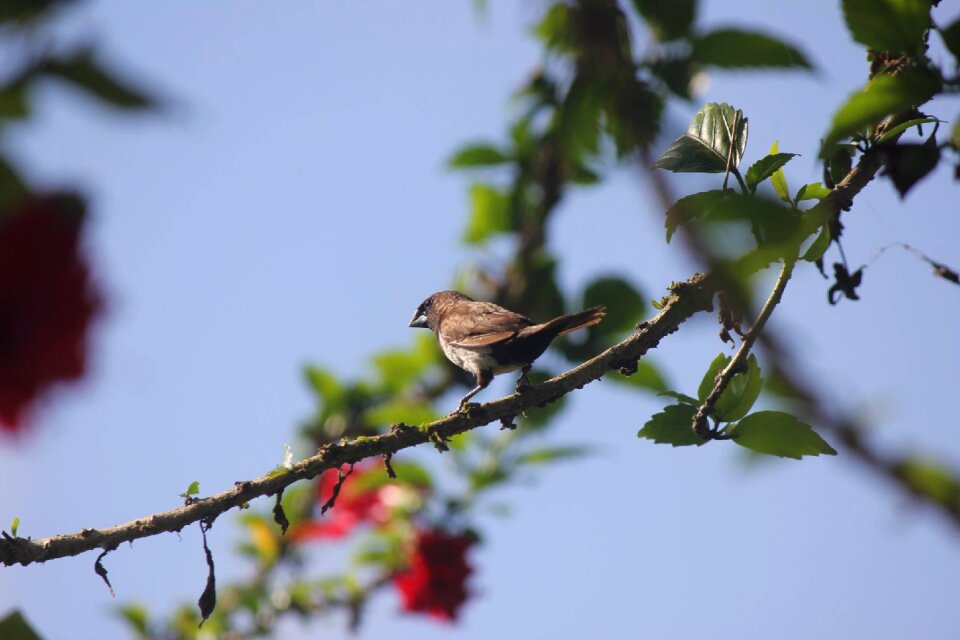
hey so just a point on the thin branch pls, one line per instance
(686, 299)
(700, 426)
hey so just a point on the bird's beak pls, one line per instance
(419, 321)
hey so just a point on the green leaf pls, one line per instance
(951, 37)
(194, 488)
(490, 213)
(819, 247)
(890, 133)
(580, 118)
(647, 376)
(672, 426)
(693, 207)
(477, 155)
(555, 28)
(888, 25)
(675, 72)
(668, 19)
(15, 627)
(907, 164)
(812, 191)
(405, 411)
(86, 73)
(709, 379)
(779, 179)
(779, 434)
(12, 187)
(625, 305)
(884, 95)
(709, 140)
(741, 393)
(735, 48)
(931, 478)
(682, 397)
(136, 616)
(14, 526)
(766, 167)
(552, 454)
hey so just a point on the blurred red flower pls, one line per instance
(436, 581)
(355, 504)
(47, 302)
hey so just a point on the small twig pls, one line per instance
(341, 478)
(939, 269)
(700, 426)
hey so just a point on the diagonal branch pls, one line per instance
(686, 299)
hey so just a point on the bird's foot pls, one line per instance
(523, 383)
(466, 408)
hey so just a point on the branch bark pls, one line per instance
(685, 300)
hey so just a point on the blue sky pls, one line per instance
(292, 206)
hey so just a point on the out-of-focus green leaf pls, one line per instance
(736, 48)
(812, 191)
(682, 397)
(490, 213)
(769, 221)
(537, 417)
(12, 187)
(675, 72)
(951, 37)
(15, 627)
(397, 369)
(555, 29)
(668, 19)
(625, 305)
(884, 95)
(324, 384)
(403, 411)
(717, 131)
(931, 478)
(410, 474)
(741, 392)
(779, 434)
(819, 247)
(635, 120)
(778, 178)
(907, 164)
(553, 454)
(477, 155)
(766, 167)
(580, 118)
(692, 207)
(888, 25)
(672, 426)
(647, 376)
(14, 102)
(136, 616)
(27, 10)
(84, 72)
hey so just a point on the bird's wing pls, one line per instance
(473, 324)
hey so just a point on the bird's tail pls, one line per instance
(573, 321)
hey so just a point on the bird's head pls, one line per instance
(427, 315)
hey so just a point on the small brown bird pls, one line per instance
(485, 339)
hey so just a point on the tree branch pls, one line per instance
(685, 300)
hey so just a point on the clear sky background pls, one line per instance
(293, 207)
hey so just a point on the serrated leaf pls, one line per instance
(766, 167)
(740, 393)
(884, 95)
(489, 213)
(682, 397)
(672, 426)
(668, 19)
(819, 247)
(477, 155)
(709, 140)
(778, 178)
(14, 626)
(888, 25)
(734, 48)
(779, 434)
(647, 376)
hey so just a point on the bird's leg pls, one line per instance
(483, 379)
(523, 383)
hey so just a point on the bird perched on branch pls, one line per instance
(485, 339)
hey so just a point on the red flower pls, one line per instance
(47, 302)
(355, 505)
(435, 582)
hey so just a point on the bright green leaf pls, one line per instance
(884, 95)
(766, 167)
(136, 616)
(888, 25)
(819, 247)
(779, 179)
(717, 132)
(736, 48)
(405, 411)
(740, 393)
(477, 155)
(672, 426)
(14, 526)
(779, 434)
(194, 488)
(709, 380)
(812, 191)
(489, 213)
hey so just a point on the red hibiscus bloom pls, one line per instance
(436, 581)
(355, 504)
(47, 302)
